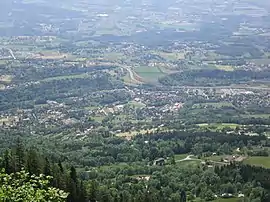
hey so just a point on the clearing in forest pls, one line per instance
(262, 161)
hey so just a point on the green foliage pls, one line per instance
(23, 187)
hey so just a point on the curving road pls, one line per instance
(189, 158)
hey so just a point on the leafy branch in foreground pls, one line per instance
(23, 187)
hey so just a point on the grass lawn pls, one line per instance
(188, 164)
(215, 158)
(261, 161)
(180, 156)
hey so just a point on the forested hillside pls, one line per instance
(135, 101)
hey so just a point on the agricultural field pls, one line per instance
(256, 116)
(180, 156)
(136, 104)
(263, 61)
(51, 55)
(215, 158)
(131, 134)
(188, 164)
(261, 161)
(225, 67)
(3, 62)
(218, 126)
(149, 74)
(5, 79)
(56, 78)
(113, 56)
(213, 104)
(98, 118)
(171, 56)
(4, 120)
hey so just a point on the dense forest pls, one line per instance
(119, 170)
(213, 77)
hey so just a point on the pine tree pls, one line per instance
(33, 165)
(73, 187)
(19, 155)
(61, 167)
(7, 162)
(73, 174)
(47, 167)
(183, 196)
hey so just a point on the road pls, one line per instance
(133, 78)
(131, 74)
(188, 158)
(12, 54)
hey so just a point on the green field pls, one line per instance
(113, 56)
(256, 116)
(118, 165)
(218, 126)
(180, 156)
(3, 62)
(215, 158)
(213, 104)
(98, 118)
(90, 108)
(261, 61)
(173, 56)
(225, 67)
(188, 164)
(149, 73)
(6, 79)
(75, 76)
(261, 161)
(136, 104)
(133, 133)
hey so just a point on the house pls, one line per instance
(241, 195)
(226, 195)
(159, 162)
